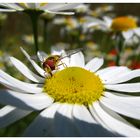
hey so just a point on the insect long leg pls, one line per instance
(64, 65)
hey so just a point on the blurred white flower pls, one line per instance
(126, 25)
(82, 8)
(132, 41)
(100, 11)
(58, 47)
(55, 8)
(28, 39)
(70, 22)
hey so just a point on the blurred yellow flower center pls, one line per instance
(123, 24)
(70, 22)
(74, 85)
(43, 4)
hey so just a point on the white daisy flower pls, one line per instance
(126, 25)
(70, 22)
(55, 8)
(82, 8)
(78, 100)
(100, 11)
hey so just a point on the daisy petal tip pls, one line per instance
(21, 48)
(23, 51)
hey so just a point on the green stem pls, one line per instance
(44, 34)
(119, 48)
(46, 37)
(118, 59)
(34, 16)
(34, 20)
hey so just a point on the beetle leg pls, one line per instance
(64, 65)
(48, 71)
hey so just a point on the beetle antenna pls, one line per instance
(71, 52)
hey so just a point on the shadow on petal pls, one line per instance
(87, 129)
(22, 100)
(62, 126)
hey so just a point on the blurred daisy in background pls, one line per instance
(46, 7)
(82, 8)
(58, 47)
(92, 50)
(101, 11)
(131, 57)
(69, 22)
(126, 25)
(34, 10)
(28, 39)
(78, 100)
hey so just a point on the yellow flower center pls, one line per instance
(74, 85)
(123, 24)
(82, 20)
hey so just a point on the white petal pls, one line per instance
(7, 10)
(25, 101)
(124, 77)
(90, 24)
(108, 21)
(37, 68)
(106, 70)
(94, 64)
(59, 6)
(122, 106)
(80, 112)
(134, 87)
(85, 123)
(13, 6)
(42, 125)
(23, 86)
(25, 71)
(115, 122)
(10, 86)
(137, 31)
(111, 72)
(31, 5)
(42, 56)
(111, 69)
(77, 60)
(97, 117)
(94, 22)
(58, 51)
(114, 95)
(60, 13)
(66, 61)
(64, 116)
(38, 5)
(9, 115)
(128, 34)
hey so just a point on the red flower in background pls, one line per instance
(135, 65)
(111, 63)
(113, 52)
